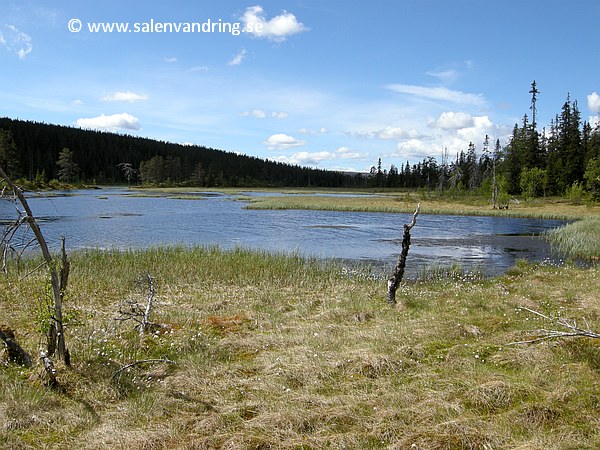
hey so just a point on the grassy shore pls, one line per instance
(274, 351)
(405, 202)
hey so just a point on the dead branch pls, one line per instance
(57, 287)
(14, 350)
(545, 334)
(49, 369)
(150, 300)
(131, 310)
(143, 361)
(398, 274)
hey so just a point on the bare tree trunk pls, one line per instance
(57, 336)
(396, 277)
(15, 351)
(150, 300)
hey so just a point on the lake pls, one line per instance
(116, 218)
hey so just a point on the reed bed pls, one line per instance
(579, 239)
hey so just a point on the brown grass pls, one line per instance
(316, 360)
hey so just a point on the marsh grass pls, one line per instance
(579, 239)
(404, 202)
(274, 351)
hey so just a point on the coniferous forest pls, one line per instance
(560, 160)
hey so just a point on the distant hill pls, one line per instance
(98, 153)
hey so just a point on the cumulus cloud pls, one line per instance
(15, 41)
(346, 153)
(171, 59)
(396, 133)
(283, 141)
(593, 101)
(238, 58)
(454, 120)
(387, 133)
(114, 122)
(127, 96)
(306, 158)
(276, 29)
(438, 93)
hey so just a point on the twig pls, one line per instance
(575, 331)
(142, 361)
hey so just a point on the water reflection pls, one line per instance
(115, 219)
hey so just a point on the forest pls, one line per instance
(561, 160)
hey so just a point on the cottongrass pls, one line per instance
(273, 351)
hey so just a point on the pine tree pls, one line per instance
(9, 157)
(68, 169)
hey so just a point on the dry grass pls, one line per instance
(278, 352)
(404, 202)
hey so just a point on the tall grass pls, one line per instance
(579, 239)
(273, 351)
(430, 204)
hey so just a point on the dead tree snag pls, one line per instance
(58, 278)
(398, 274)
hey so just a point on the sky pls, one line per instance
(330, 84)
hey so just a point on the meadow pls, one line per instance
(261, 350)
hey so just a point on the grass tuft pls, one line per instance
(274, 351)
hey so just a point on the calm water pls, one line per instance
(111, 218)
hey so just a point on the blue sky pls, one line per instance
(325, 83)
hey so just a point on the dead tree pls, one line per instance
(132, 310)
(396, 277)
(58, 278)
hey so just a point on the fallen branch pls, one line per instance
(571, 325)
(142, 361)
(396, 277)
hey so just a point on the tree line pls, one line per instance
(562, 159)
(37, 151)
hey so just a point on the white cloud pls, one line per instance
(128, 96)
(260, 114)
(346, 153)
(171, 59)
(306, 158)
(283, 142)
(15, 41)
(199, 69)
(454, 121)
(309, 132)
(396, 133)
(445, 76)
(238, 58)
(256, 113)
(114, 122)
(593, 101)
(438, 93)
(276, 29)
(279, 115)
